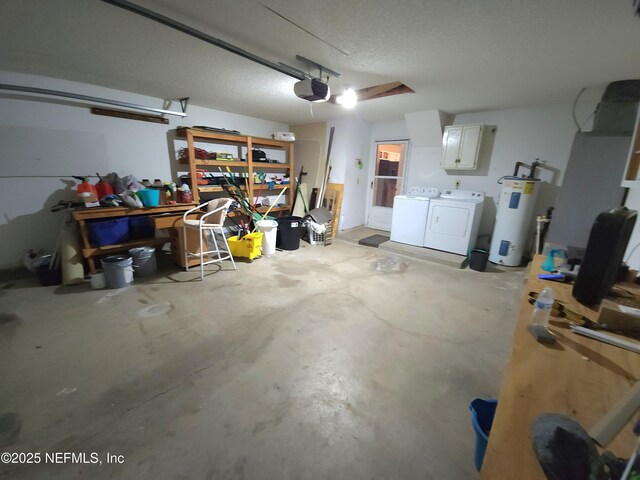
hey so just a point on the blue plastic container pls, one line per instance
(108, 232)
(482, 413)
(141, 227)
(150, 197)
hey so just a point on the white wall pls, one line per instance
(65, 139)
(310, 152)
(524, 134)
(351, 142)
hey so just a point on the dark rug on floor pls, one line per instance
(373, 240)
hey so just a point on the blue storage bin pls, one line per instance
(482, 413)
(108, 232)
(141, 227)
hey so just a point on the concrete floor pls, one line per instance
(354, 235)
(310, 364)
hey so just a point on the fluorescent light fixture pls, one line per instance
(348, 99)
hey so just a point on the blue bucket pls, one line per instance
(150, 197)
(482, 413)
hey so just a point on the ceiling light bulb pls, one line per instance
(348, 99)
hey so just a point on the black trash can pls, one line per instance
(478, 259)
(289, 233)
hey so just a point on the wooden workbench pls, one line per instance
(578, 376)
(89, 252)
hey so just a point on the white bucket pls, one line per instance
(269, 229)
(97, 280)
(118, 271)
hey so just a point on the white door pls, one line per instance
(388, 178)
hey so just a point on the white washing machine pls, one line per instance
(409, 218)
(453, 221)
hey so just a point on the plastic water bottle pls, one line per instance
(542, 311)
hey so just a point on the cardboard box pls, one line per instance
(622, 318)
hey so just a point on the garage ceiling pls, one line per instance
(458, 56)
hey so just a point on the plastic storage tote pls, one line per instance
(247, 247)
(108, 232)
(141, 227)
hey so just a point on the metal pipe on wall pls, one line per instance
(87, 98)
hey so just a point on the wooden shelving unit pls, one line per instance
(244, 145)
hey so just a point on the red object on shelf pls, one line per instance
(85, 186)
(200, 173)
(185, 197)
(103, 189)
(200, 154)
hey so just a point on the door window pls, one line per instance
(387, 182)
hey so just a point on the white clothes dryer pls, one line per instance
(453, 221)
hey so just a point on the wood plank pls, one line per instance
(336, 208)
(171, 221)
(283, 166)
(274, 209)
(269, 143)
(107, 249)
(192, 168)
(634, 160)
(377, 91)
(84, 213)
(107, 112)
(215, 188)
(266, 188)
(203, 134)
(580, 377)
(216, 163)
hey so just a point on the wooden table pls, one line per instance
(578, 376)
(89, 252)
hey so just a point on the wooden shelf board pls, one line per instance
(96, 251)
(241, 213)
(258, 165)
(215, 163)
(232, 139)
(266, 142)
(256, 187)
(218, 137)
(274, 209)
(83, 213)
(221, 163)
(214, 188)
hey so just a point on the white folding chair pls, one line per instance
(213, 222)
